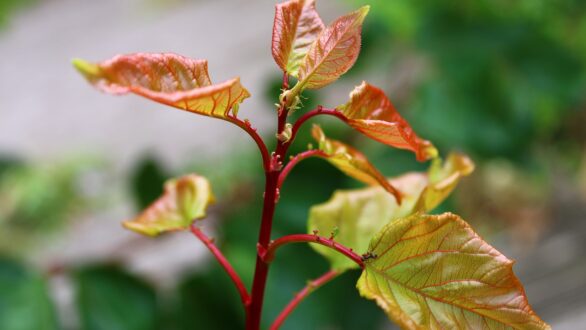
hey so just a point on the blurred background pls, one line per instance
(503, 81)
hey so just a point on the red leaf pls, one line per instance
(167, 78)
(372, 113)
(334, 52)
(297, 25)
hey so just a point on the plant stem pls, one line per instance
(269, 253)
(295, 160)
(209, 243)
(315, 112)
(247, 127)
(308, 289)
(271, 196)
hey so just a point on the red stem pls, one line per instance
(316, 112)
(295, 160)
(247, 127)
(271, 196)
(308, 289)
(209, 243)
(269, 253)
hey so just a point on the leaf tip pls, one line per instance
(138, 228)
(85, 68)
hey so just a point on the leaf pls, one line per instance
(333, 52)
(297, 25)
(24, 299)
(109, 298)
(351, 161)
(372, 113)
(166, 78)
(359, 214)
(435, 272)
(184, 200)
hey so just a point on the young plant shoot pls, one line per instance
(424, 271)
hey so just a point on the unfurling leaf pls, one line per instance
(297, 25)
(435, 272)
(359, 214)
(184, 200)
(166, 78)
(351, 161)
(333, 52)
(372, 113)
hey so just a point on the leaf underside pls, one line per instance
(166, 78)
(184, 200)
(435, 272)
(297, 25)
(351, 161)
(372, 113)
(360, 213)
(334, 52)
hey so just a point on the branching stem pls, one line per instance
(299, 296)
(269, 253)
(315, 112)
(209, 243)
(247, 127)
(295, 160)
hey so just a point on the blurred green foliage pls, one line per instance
(500, 78)
(24, 299)
(8, 7)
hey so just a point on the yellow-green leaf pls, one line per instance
(372, 113)
(184, 200)
(359, 214)
(334, 52)
(435, 272)
(297, 25)
(166, 78)
(351, 161)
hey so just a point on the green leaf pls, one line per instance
(24, 302)
(184, 200)
(359, 214)
(166, 78)
(435, 272)
(351, 161)
(111, 299)
(297, 25)
(333, 52)
(371, 112)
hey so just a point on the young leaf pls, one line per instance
(297, 25)
(184, 200)
(166, 78)
(359, 214)
(435, 272)
(351, 161)
(333, 52)
(372, 113)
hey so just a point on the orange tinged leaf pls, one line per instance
(435, 272)
(372, 113)
(352, 162)
(184, 200)
(334, 52)
(166, 78)
(297, 25)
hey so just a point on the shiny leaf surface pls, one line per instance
(184, 200)
(297, 25)
(166, 78)
(359, 214)
(351, 161)
(333, 52)
(372, 113)
(435, 272)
